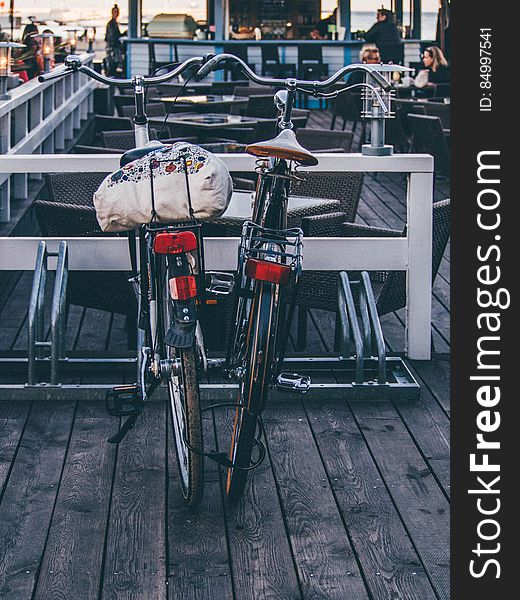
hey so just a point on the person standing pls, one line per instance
(114, 60)
(385, 35)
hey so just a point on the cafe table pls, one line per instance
(204, 102)
(241, 208)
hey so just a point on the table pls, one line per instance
(204, 102)
(241, 205)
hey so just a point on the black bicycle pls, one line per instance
(270, 262)
(169, 281)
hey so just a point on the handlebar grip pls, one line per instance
(206, 68)
(49, 76)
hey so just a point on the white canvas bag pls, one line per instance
(124, 199)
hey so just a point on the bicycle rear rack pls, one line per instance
(37, 342)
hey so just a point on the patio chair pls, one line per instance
(318, 289)
(240, 51)
(271, 64)
(260, 105)
(123, 140)
(443, 111)
(323, 139)
(310, 62)
(155, 65)
(347, 106)
(69, 212)
(154, 109)
(442, 90)
(223, 87)
(428, 136)
(106, 123)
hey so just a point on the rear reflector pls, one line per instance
(174, 243)
(268, 271)
(183, 288)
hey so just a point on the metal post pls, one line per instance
(416, 19)
(344, 17)
(399, 12)
(419, 280)
(221, 23)
(134, 18)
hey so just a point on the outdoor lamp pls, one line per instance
(72, 39)
(91, 36)
(374, 112)
(5, 66)
(47, 50)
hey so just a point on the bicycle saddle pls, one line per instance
(131, 155)
(284, 145)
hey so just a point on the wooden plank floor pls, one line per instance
(351, 503)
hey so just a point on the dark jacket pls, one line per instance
(441, 75)
(113, 33)
(385, 35)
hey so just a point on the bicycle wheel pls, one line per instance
(258, 362)
(185, 413)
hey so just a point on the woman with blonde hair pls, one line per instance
(436, 68)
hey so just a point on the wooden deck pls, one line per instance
(352, 502)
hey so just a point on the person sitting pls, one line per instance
(436, 71)
(385, 35)
(369, 55)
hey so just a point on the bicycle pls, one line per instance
(270, 259)
(170, 287)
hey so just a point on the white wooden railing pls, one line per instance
(39, 119)
(412, 253)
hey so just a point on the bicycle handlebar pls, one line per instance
(73, 64)
(214, 63)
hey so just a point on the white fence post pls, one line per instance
(419, 279)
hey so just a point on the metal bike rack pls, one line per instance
(56, 343)
(363, 344)
(361, 371)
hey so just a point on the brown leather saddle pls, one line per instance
(284, 145)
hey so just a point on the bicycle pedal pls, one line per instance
(124, 401)
(293, 382)
(219, 283)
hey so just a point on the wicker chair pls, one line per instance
(436, 109)
(428, 136)
(323, 139)
(69, 212)
(153, 109)
(260, 105)
(318, 289)
(105, 123)
(123, 140)
(347, 106)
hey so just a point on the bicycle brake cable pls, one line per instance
(172, 104)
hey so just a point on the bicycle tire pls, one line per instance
(186, 418)
(259, 359)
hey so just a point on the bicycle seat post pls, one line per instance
(284, 100)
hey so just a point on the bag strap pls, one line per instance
(132, 249)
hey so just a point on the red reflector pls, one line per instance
(174, 243)
(183, 288)
(268, 271)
